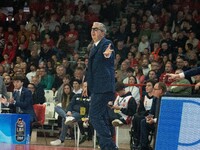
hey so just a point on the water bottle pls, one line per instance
(28, 139)
(20, 130)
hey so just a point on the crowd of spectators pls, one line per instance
(151, 37)
(48, 43)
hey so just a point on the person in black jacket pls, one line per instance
(143, 110)
(78, 108)
(37, 91)
(149, 123)
(35, 94)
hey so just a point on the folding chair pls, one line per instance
(40, 116)
(49, 95)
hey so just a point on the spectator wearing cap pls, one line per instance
(124, 106)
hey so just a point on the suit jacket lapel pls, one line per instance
(93, 51)
(95, 48)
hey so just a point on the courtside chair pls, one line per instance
(40, 116)
(49, 95)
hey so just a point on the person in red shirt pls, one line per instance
(72, 37)
(10, 50)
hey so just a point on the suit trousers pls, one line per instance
(99, 118)
(145, 130)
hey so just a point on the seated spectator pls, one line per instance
(63, 98)
(135, 91)
(148, 124)
(139, 74)
(10, 50)
(38, 91)
(145, 66)
(60, 73)
(72, 38)
(129, 72)
(31, 87)
(77, 109)
(21, 100)
(175, 87)
(143, 110)
(8, 82)
(46, 79)
(19, 72)
(152, 75)
(65, 81)
(197, 84)
(22, 49)
(124, 106)
(32, 72)
(131, 58)
(77, 86)
(168, 69)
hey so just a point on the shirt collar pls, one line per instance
(20, 90)
(96, 43)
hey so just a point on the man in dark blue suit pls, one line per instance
(21, 100)
(101, 84)
(149, 123)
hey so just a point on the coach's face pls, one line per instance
(96, 32)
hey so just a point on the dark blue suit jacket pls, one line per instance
(101, 73)
(155, 108)
(192, 72)
(25, 103)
